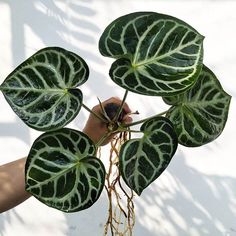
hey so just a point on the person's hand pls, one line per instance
(96, 129)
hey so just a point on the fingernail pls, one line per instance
(128, 120)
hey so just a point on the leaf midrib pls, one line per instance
(64, 90)
(62, 172)
(166, 54)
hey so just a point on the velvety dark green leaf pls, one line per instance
(143, 160)
(199, 115)
(156, 54)
(42, 90)
(63, 172)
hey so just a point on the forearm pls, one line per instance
(12, 184)
(12, 175)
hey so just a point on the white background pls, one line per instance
(196, 195)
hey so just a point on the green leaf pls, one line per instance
(143, 160)
(199, 115)
(156, 54)
(62, 172)
(42, 90)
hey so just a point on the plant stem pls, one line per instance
(121, 106)
(103, 138)
(125, 129)
(92, 112)
(143, 120)
(107, 118)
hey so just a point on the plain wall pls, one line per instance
(196, 195)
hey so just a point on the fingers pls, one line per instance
(127, 119)
(96, 128)
(117, 101)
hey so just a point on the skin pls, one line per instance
(12, 175)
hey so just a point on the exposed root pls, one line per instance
(121, 217)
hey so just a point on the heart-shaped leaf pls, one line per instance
(42, 90)
(62, 172)
(156, 54)
(143, 160)
(199, 115)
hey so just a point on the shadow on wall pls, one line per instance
(15, 129)
(192, 204)
(66, 25)
(195, 200)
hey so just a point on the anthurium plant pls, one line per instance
(154, 55)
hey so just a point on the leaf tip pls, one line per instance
(138, 191)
